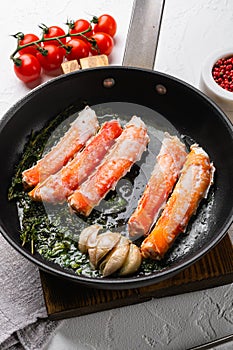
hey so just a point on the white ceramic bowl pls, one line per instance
(219, 95)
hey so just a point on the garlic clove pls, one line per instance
(132, 261)
(84, 236)
(91, 247)
(116, 258)
(105, 243)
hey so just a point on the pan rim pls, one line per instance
(129, 282)
(120, 283)
(7, 115)
(56, 80)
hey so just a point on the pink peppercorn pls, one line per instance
(222, 73)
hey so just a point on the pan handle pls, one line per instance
(143, 34)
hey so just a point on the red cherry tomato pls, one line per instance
(53, 57)
(28, 38)
(79, 49)
(28, 69)
(104, 43)
(80, 26)
(52, 32)
(106, 24)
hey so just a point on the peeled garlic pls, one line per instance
(132, 261)
(112, 251)
(84, 236)
(105, 243)
(116, 258)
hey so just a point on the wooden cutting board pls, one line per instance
(65, 299)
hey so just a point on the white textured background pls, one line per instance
(190, 31)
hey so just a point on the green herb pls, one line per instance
(51, 230)
(33, 151)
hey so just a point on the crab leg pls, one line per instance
(57, 187)
(127, 150)
(193, 185)
(169, 162)
(84, 126)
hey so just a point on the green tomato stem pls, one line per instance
(43, 39)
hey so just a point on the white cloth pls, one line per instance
(23, 317)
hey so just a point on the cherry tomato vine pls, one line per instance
(47, 52)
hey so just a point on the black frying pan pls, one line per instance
(184, 107)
